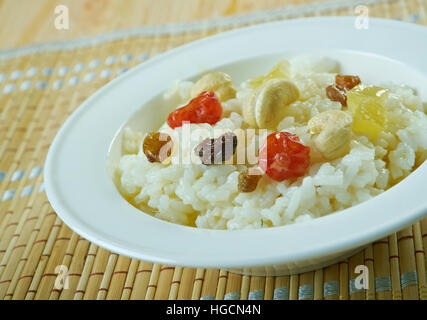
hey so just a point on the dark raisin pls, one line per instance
(217, 151)
(157, 146)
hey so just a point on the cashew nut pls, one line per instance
(333, 129)
(218, 82)
(267, 105)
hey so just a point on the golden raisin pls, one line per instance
(248, 182)
(346, 82)
(335, 94)
(338, 91)
(157, 146)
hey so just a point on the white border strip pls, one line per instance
(200, 25)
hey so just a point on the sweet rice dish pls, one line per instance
(294, 144)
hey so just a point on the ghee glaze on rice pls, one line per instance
(207, 196)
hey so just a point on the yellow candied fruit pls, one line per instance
(280, 70)
(367, 105)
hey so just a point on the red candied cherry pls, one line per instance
(205, 108)
(283, 156)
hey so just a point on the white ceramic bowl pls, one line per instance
(80, 189)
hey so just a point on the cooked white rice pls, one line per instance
(208, 196)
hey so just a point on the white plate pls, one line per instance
(81, 191)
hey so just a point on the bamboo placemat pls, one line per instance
(38, 91)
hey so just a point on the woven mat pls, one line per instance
(38, 91)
